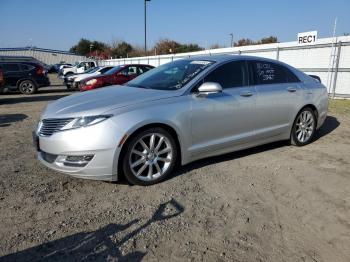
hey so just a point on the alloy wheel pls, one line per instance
(151, 156)
(27, 87)
(305, 126)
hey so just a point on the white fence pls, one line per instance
(47, 56)
(329, 59)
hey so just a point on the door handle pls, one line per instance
(291, 89)
(246, 93)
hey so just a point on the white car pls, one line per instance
(100, 70)
(72, 81)
(80, 67)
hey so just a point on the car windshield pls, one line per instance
(113, 70)
(92, 70)
(171, 76)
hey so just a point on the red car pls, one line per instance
(115, 76)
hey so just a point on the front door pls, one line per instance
(226, 119)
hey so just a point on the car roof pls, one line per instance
(228, 57)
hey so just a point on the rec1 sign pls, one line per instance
(307, 37)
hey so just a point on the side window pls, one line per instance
(129, 71)
(141, 70)
(11, 67)
(104, 70)
(271, 73)
(232, 74)
(25, 67)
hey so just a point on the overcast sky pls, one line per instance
(60, 24)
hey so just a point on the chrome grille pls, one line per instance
(53, 125)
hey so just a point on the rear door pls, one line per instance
(12, 73)
(278, 97)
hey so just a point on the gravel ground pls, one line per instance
(271, 203)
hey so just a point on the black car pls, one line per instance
(26, 77)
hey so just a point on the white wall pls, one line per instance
(312, 59)
(44, 55)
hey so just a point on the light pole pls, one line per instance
(145, 26)
(91, 45)
(231, 39)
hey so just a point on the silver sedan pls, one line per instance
(177, 113)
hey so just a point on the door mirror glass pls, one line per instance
(210, 88)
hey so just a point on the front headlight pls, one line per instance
(85, 121)
(91, 82)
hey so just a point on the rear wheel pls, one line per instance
(304, 127)
(150, 157)
(27, 87)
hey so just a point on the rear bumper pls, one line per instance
(42, 82)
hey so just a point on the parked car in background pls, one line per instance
(116, 76)
(68, 79)
(26, 77)
(2, 80)
(180, 112)
(73, 81)
(80, 67)
(56, 67)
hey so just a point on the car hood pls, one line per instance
(99, 101)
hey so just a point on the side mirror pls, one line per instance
(209, 88)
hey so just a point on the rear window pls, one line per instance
(11, 67)
(25, 67)
(271, 73)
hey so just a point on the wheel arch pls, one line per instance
(314, 109)
(24, 79)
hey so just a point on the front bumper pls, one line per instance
(99, 141)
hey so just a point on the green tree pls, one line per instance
(83, 47)
(247, 41)
(122, 49)
(184, 48)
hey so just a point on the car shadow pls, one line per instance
(330, 124)
(8, 119)
(96, 245)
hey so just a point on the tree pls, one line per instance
(83, 47)
(122, 49)
(247, 41)
(166, 46)
(184, 48)
(268, 40)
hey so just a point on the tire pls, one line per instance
(27, 87)
(70, 88)
(304, 127)
(146, 163)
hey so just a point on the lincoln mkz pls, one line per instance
(177, 113)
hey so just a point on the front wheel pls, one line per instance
(27, 87)
(304, 127)
(150, 157)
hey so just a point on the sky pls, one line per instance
(59, 24)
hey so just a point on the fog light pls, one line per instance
(79, 161)
(79, 158)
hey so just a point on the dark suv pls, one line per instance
(26, 77)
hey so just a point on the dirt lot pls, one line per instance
(271, 203)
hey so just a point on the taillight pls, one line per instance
(1, 76)
(40, 70)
